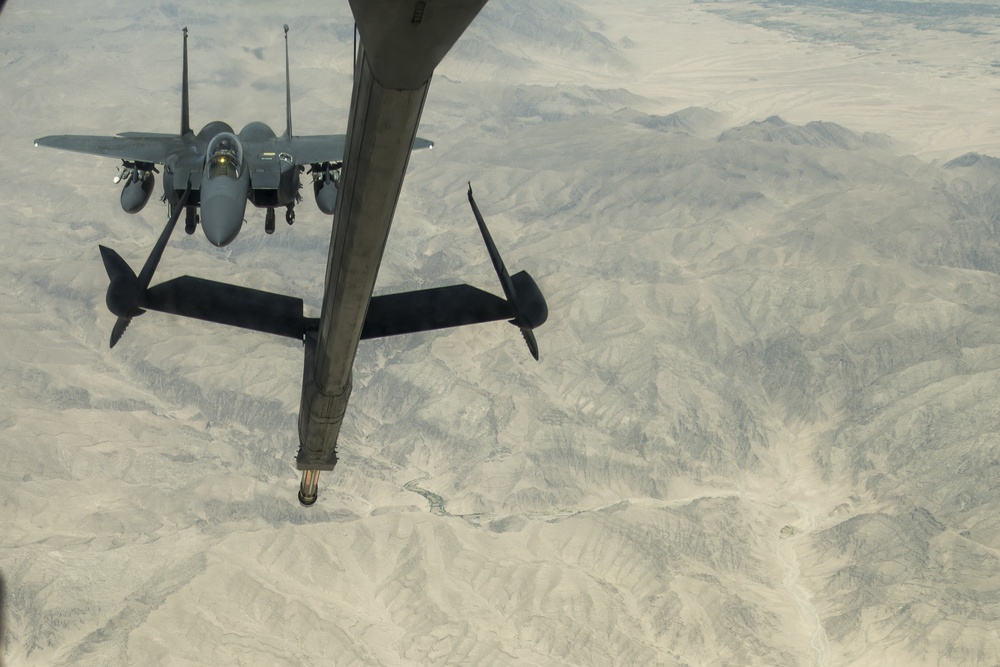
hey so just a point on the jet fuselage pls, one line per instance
(229, 171)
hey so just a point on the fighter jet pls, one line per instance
(225, 169)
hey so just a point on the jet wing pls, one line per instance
(132, 146)
(324, 147)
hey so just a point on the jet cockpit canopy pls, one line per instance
(225, 156)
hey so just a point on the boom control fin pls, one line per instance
(127, 291)
(523, 295)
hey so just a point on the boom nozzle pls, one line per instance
(309, 488)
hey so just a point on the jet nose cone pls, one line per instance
(221, 218)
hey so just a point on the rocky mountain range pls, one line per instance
(762, 431)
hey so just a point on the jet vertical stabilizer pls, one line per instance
(185, 113)
(288, 91)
